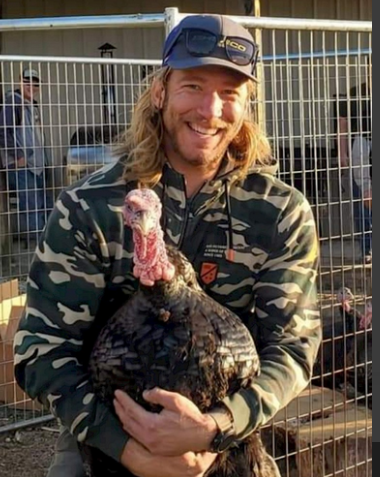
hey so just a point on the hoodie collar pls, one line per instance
(211, 192)
(227, 171)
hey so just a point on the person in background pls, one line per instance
(355, 142)
(24, 154)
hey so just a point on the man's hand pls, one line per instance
(179, 428)
(142, 463)
(21, 162)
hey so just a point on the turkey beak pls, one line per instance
(144, 222)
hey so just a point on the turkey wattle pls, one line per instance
(171, 334)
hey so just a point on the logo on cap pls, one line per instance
(232, 43)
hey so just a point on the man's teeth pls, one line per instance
(205, 131)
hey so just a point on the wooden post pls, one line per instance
(332, 436)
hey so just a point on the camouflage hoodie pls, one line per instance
(82, 271)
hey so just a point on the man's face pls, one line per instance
(30, 89)
(203, 111)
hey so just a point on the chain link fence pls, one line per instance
(315, 100)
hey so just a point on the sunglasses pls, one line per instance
(201, 43)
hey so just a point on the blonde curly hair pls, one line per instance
(141, 144)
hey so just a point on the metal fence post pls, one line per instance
(172, 18)
(260, 87)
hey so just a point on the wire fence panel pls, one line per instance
(315, 99)
(82, 109)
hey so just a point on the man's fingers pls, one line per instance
(208, 459)
(204, 462)
(163, 398)
(170, 401)
(130, 425)
(130, 409)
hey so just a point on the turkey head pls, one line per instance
(142, 213)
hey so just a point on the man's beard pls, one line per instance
(202, 161)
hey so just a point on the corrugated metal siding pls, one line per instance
(26, 8)
(147, 43)
(323, 9)
(143, 44)
(334, 9)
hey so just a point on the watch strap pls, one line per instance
(225, 438)
(223, 419)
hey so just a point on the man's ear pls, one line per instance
(158, 94)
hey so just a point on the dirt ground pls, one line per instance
(27, 452)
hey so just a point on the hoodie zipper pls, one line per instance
(189, 216)
(189, 204)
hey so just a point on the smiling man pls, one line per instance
(251, 238)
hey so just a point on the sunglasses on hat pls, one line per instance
(203, 43)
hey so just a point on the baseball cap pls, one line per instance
(31, 75)
(200, 40)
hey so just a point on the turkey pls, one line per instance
(358, 346)
(354, 319)
(346, 356)
(171, 334)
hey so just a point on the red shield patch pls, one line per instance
(209, 272)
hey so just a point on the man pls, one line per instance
(355, 141)
(24, 153)
(192, 140)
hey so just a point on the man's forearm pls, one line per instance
(281, 380)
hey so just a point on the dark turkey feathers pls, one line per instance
(346, 354)
(172, 344)
(174, 336)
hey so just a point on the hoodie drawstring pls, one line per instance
(230, 234)
(230, 252)
(163, 215)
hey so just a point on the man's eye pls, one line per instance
(194, 87)
(230, 92)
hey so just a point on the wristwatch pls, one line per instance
(226, 437)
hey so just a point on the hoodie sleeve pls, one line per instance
(287, 320)
(66, 284)
(10, 120)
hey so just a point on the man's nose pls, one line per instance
(211, 106)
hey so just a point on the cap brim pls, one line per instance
(196, 62)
